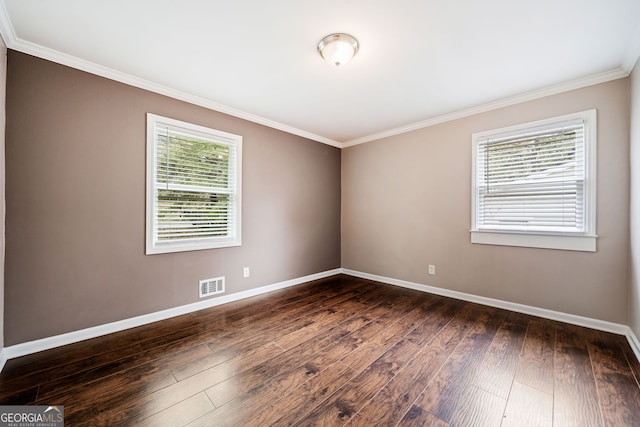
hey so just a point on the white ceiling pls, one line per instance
(420, 61)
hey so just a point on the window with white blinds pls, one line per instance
(193, 187)
(534, 184)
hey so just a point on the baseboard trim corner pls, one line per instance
(48, 343)
(573, 319)
(634, 343)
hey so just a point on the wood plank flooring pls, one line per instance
(338, 351)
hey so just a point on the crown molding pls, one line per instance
(15, 43)
(7, 32)
(494, 105)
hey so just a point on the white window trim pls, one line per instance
(152, 245)
(565, 241)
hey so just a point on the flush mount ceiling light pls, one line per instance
(337, 49)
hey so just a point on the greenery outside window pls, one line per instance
(193, 187)
(534, 184)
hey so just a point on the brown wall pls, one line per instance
(406, 203)
(3, 75)
(75, 194)
(634, 279)
(75, 152)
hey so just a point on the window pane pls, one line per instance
(190, 161)
(193, 187)
(192, 215)
(531, 181)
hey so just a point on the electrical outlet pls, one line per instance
(246, 272)
(432, 269)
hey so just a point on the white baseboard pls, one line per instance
(600, 325)
(24, 349)
(96, 331)
(633, 342)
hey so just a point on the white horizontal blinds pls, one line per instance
(533, 180)
(195, 186)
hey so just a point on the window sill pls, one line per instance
(545, 241)
(171, 247)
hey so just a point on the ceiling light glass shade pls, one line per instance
(338, 49)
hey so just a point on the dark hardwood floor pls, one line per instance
(338, 351)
